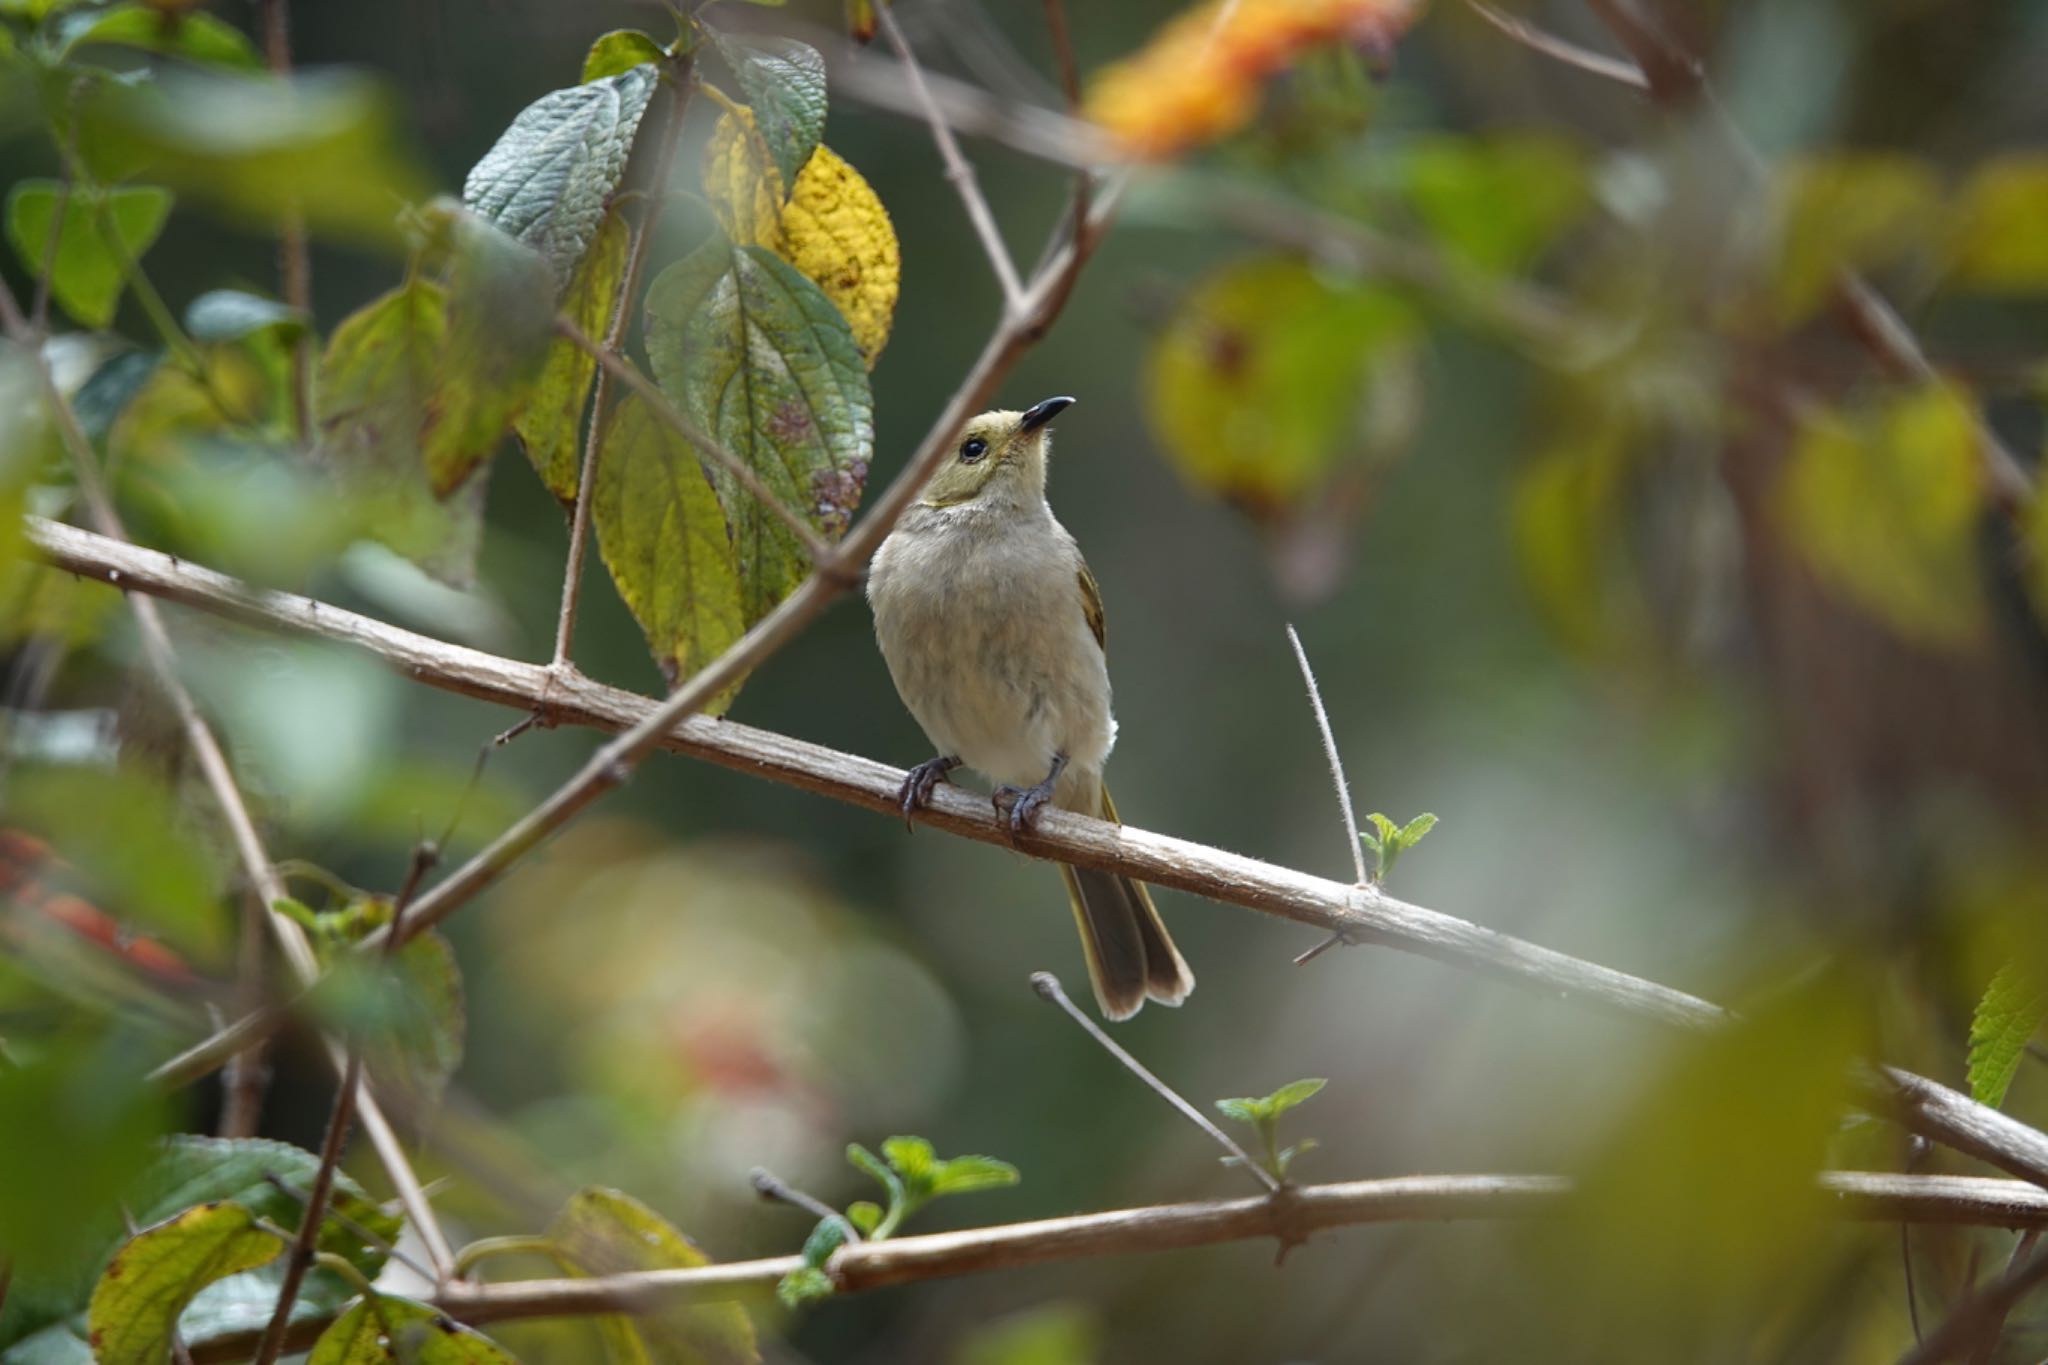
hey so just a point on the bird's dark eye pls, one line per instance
(970, 451)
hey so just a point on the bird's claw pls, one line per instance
(1020, 805)
(916, 791)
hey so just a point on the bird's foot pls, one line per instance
(916, 791)
(1020, 805)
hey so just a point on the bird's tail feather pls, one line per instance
(1130, 955)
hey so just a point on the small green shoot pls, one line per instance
(913, 1175)
(1264, 1115)
(1389, 841)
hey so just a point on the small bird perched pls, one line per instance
(992, 628)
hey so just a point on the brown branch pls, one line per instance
(958, 170)
(614, 339)
(1981, 1313)
(618, 366)
(1570, 53)
(295, 261)
(1859, 1196)
(300, 1258)
(1063, 51)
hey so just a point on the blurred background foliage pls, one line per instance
(1531, 401)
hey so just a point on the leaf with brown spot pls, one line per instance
(385, 1329)
(135, 1307)
(605, 1232)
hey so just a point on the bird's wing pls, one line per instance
(1091, 607)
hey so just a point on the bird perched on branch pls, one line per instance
(992, 628)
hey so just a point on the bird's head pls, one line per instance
(997, 454)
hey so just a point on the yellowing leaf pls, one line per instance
(605, 1232)
(146, 1286)
(1254, 386)
(1200, 76)
(2001, 226)
(832, 227)
(1856, 211)
(386, 1329)
(550, 428)
(663, 537)
(1884, 504)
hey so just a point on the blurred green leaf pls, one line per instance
(377, 391)
(1052, 1334)
(501, 317)
(1253, 387)
(1496, 201)
(95, 230)
(415, 1030)
(618, 52)
(135, 1307)
(664, 539)
(827, 1237)
(1567, 512)
(751, 349)
(259, 147)
(868, 1163)
(805, 1284)
(1243, 1109)
(130, 848)
(387, 1328)
(784, 82)
(968, 1174)
(604, 1232)
(1855, 210)
(550, 426)
(1293, 1093)
(864, 1214)
(1997, 243)
(547, 180)
(1883, 502)
(2011, 1012)
(233, 315)
(192, 34)
(913, 1160)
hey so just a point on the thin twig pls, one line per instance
(621, 368)
(1063, 51)
(1982, 1312)
(1345, 813)
(1048, 986)
(1859, 1196)
(295, 262)
(771, 1186)
(1570, 53)
(614, 338)
(958, 169)
(300, 1258)
(351, 1226)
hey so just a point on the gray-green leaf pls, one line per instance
(754, 351)
(232, 315)
(548, 178)
(784, 82)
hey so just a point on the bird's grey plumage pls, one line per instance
(988, 619)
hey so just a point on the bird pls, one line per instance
(992, 629)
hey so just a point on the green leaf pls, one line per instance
(2014, 1007)
(754, 351)
(261, 148)
(1254, 386)
(967, 1174)
(501, 315)
(604, 1232)
(1385, 828)
(618, 52)
(384, 1329)
(864, 1214)
(128, 844)
(550, 426)
(827, 1237)
(1052, 1334)
(911, 1158)
(1293, 1093)
(805, 1284)
(377, 389)
(663, 537)
(1245, 1109)
(193, 34)
(1884, 502)
(232, 315)
(87, 271)
(1996, 242)
(416, 1025)
(145, 1287)
(784, 82)
(548, 178)
(1496, 201)
(1412, 832)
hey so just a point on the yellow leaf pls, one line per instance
(1200, 77)
(1884, 505)
(1856, 211)
(2001, 232)
(832, 227)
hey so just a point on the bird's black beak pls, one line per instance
(1039, 414)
